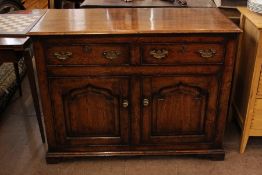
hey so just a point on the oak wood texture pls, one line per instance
(36, 4)
(247, 93)
(143, 4)
(92, 54)
(135, 94)
(133, 21)
(178, 53)
(256, 18)
(12, 50)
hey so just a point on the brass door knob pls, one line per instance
(125, 103)
(146, 102)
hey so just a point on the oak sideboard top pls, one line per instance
(133, 21)
(145, 4)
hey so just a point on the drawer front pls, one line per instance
(177, 53)
(258, 109)
(257, 117)
(256, 124)
(89, 54)
(259, 88)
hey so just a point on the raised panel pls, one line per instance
(179, 109)
(182, 109)
(88, 111)
(84, 107)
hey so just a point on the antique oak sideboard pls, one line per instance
(128, 82)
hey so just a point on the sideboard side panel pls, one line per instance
(44, 91)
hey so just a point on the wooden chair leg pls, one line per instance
(18, 79)
(31, 77)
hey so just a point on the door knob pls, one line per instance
(125, 104)
(146, 102)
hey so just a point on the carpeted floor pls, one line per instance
(22, 153)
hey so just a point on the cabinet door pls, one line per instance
(179, 109)
(90, 111)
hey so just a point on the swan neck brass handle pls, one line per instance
(111, 54)
(208, 53)
(146, 102)
(159, 53)
(125, 103)
(62, 56)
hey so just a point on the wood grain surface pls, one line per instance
(133, 21)
(36, 4)
(246, 93)
(256, 18)
(145, 3)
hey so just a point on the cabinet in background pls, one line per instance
(247, 97)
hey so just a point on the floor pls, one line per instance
(22, 153)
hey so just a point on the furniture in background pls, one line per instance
(120, 84)
(8, 81)
(12, 50)
(229, 8)
(247, 93)
(230, 3)
(58, 4)
(7, 6)
(15, 63)
(14, 46)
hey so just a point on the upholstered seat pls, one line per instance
(8, 81)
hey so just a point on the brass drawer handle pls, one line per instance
(111, 54)
(159, 53)
(209, 53)
(125, 103)
(146, 102)
(63, 55)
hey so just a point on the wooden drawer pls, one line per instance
(256, 124)
(88, 54)
(177, 53)
(259, 88)
(257, 117)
